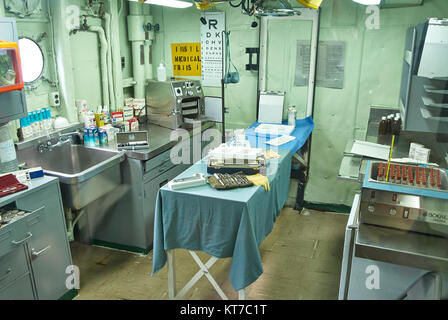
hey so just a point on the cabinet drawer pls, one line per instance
(160, 160)
(12, 266)
(36, 220)
(7, 235)
(19, 289)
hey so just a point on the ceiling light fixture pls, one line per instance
(368, 2)
(167, 3)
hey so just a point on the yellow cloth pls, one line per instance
(259, 180)
(269, 154)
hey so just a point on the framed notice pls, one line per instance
(186, 59)
(211, 48)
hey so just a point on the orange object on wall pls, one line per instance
(10, 67)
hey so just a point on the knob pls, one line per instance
(190, 93)
(371, 208)
(393, 211)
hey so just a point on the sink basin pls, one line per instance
(85, 174)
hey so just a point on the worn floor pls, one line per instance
(301, 260)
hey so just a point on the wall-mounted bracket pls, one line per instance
(251, 66)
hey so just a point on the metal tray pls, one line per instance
(374, 170)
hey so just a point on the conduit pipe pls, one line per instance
(103, 62)
(136, 35)
(116, 53)
(148, 43)
(63, 58)
(107, 20)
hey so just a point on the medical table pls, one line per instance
(224, 224)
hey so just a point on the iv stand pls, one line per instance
(222, 89)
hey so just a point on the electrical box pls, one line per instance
(12, 95)
(55, 99)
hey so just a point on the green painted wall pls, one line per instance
(372, 71)
(183, 26)
(372, 76)
(84, 48)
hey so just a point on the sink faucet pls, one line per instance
(48, 146)
(63, 139)
(65, 136)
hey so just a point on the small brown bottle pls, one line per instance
(382, 131)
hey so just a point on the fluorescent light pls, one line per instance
(368, 2)
(169, 3)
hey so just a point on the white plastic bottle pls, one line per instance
(161, 72)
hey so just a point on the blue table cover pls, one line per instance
(230, 223)
(303, 129)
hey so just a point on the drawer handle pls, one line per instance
(37, 210)
(7, 274)
(163, 183)
(28, 235)
(36, 254)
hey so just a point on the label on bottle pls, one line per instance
(7, 151)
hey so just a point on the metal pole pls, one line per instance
(223, 34)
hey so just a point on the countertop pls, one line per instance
(159, 140)
(34, 185)
(353, 166)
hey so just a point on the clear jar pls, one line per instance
(8, 157)
(292, 112)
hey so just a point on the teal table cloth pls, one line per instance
(230, 223)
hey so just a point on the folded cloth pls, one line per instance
(259, 180)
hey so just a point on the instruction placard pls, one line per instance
(186, 59)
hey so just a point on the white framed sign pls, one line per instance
(211, 48)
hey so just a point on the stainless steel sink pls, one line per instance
(85, 174)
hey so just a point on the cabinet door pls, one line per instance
(20, 289)
(12, 266)
(151, 189)
(48, 248)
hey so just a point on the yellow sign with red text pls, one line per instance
(186, 59)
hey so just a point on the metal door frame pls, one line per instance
(306, 14)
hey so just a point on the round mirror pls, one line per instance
(32, 60)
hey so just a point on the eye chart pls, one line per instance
(211, 48)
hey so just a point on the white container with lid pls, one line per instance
(161, 72)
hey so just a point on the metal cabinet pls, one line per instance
(151, 189)
(48, 248)
(13, 103)
(20, 289)
(34, 250)
(394, 280)
(128, 223)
